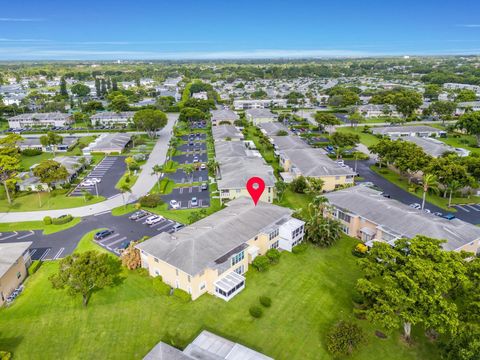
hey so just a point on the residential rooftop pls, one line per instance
(10, 253)
(383, 130)
(109, 141)
(260, 113)
(41, 116)
(222, 132)
(272, 128)
(401, 220)
(235, 172)
(197, 246)
(289, 142)
(224, 114)
(435, 147)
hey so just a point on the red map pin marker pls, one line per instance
(255, 187)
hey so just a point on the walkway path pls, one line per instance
(144, 183)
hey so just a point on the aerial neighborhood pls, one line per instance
(127, 207)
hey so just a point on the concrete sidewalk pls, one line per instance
(144, 183)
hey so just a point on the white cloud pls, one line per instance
(21, 19)
(470, 25)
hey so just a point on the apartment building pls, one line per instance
(463, 107)
(52, 119)
(226, 133)
(457, 86)
(213, 254)
(223, 116)
(112, 118)
(272, 128)
(312, 162)
(375, 110)
(408, 130)
(259, 104)
(434, 147)
(34, 143)
(258, 116)
(14, 259)
(111, 143)
(364, 213)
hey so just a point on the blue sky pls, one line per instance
(186, 29)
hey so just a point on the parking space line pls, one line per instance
(472, 207)
(9, 236)
(44, 255)
(461, 207)
(109, 246)
(162, 228)
(27, 235)
(108, 238)
(59, 253)
(33, 252)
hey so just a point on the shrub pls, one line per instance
(34, 266)
(300, 248)
(360, 250)
(151, 200)
(357, 297)
(265, 301)
(160, 286)
(343, 338)
(299, 185)
(261, 263)
(182, 295)
(273, 256)
(256, 311)
(139, 157)
(5, 355)
(62, 220)
(32, 152)
(47, 220)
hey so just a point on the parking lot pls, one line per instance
(197, 147)
(196, 137)
(184, 197)
(109, 171)
(180, 177)
(191, 158)
(470, 213)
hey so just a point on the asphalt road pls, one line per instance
(61, 244)
(363, 168)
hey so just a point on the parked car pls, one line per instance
(437, 213)
(203, 167)
(195, 159)
(177, 227)
(427, 211)
(174, 204)
(124, 245)
(194, 202)
(416, 206)
(385, 195)
(449, 216)
(138, 215)
(95, 180)
(204, 186)
(150, 218)
(103, 234)
(155, 219)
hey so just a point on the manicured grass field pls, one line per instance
(432, 198)
(56, 199)
(366, 139)
(309, 292)
(27, 161)
(38, 225)
(463, 141)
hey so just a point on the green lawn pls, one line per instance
(432, 198)
(310, 292)
(56, 199)
(468, 142)
(27, 161)
(38, 225)
(366, 139)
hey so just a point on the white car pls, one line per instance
(194, 201)
(203, 167)
(150, 218)
(416, 206)
(154, 219)
(87, 183)
(174, 204)
(95, 180)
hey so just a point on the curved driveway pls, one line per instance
(144, 183)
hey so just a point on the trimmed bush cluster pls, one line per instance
(265, 301)
(273, 255)
(182, 295)
(256, 311)
(32, 152)
(343, 338)
(5, 355)
(360, 250)
(47, 220)
(160, 286)
(62, 219)
(151, 200)
(34, 266)
(261, 263)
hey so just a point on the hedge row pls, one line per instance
(48, 220)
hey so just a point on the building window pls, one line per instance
(19, 275)
(240, 270)
(344, 228)
(342, 216)
(176, 271)
(155, 259)
(273, 234)
(237, 258)
(274, 245)
(157, 272)
(238, 191)
(202, 285)
(256, 238)
(189, 278)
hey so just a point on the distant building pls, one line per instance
(109, 143)
(456, 86)
(202, 95)
(258, 116)
(374, 110)
(259, 104)
(14, 260)
(226, 132)
(272, 128)
(40, 120)
(112, 118)
(206, 346)
(408, 130)
(34, 143)
(434, 147)
(463, 107)
(223, 116)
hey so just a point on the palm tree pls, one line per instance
(157, 170)
(124, 188)
(212, 166)
(429, 183)
(452, 187)
(188, 170)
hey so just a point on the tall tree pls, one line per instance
(9, 145)
(470, 122)
(84, 273)
(150, 121)
(63, 88)
(341, 141)
(157, 170)
(51, 139)
(50, 171)
(430, 183)
(125, 188)
(411, 283)
(9, 166)
(80, 90)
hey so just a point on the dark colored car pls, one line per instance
(449, 216)
(103, 234)
(385, 195)
(124, 245)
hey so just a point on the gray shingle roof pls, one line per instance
(272, 128)
(260, 113)
(41, 116)
(236, 171)
(224, 114)
(405, 129)
(163, 351)
(289, 142)
(221, 132)
(401, 219)
(432, 147)
(196, 247)
(10, 253)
